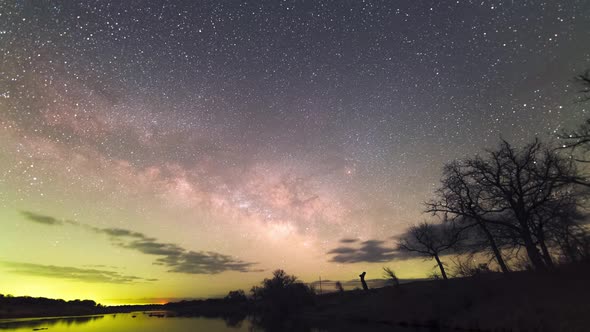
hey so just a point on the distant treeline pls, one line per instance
(26, 306)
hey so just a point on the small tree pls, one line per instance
(339, 287)
(430, 241)
(389, 274)
(467, 268)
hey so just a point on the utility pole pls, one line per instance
(320, 285)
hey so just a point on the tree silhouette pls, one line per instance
(339, 287)
(521, 193)
(430, 241)
(236, 296)
(282, 294)
(458, 199)
(578, 140)
(583, 81)
(363, 282)
(389, 274)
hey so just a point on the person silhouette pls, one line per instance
(362, 275)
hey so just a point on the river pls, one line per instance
(159, 321)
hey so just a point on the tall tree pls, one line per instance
(509, 188)
(461, 196)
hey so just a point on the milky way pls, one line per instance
(231, 138)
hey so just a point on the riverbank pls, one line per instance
(556, 300)
(27, 307)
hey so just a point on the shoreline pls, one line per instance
(544, 301)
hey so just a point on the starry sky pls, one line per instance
(157, 150)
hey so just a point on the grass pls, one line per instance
(521, 301)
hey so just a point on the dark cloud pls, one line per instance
(204, 263)
(45, 219)
(176, 258)
(41, 219)
(116, 232)
(150, 247)
(372, 251)
(349, 240)
(72, 273)
(343, 250)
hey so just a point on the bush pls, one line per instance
(236, 296)
(282, 294)
(467, 268)
(389, 274)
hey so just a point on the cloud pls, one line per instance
(45, 219)
(204, 263)
(72, 273)
(176, 258)
(116, 232)
(41, 219)
(181, 260)
(349, 240)
(150, 247)
(100, 266)
(371, 251)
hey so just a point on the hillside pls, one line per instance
(553, 301)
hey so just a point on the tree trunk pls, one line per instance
(546, 254)
(362, 275)
(442, 268)
(568, 250)
(533, 252)
(544, 250)
(495, 249)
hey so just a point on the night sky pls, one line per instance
(154, 150)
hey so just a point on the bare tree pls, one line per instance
(565, 230)
(583, 81)
(578, 140)
(459, 199)
(389, 274)
(430, 241)
(514, 190)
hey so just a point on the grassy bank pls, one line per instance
(551, 301)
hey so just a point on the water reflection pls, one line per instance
(28, 323)
(165, 321)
